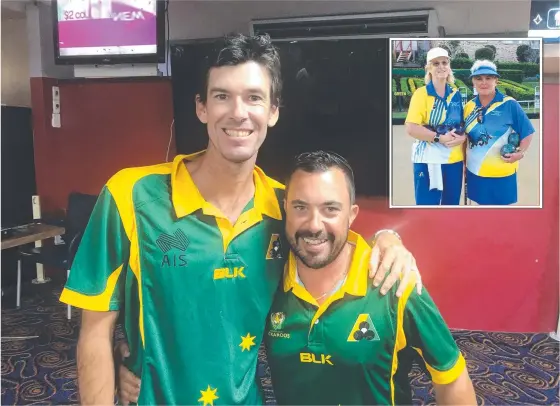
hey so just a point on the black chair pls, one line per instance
(78, 212)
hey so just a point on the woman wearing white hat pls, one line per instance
(499, 133)
(435, 120)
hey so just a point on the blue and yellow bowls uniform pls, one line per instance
(490, 180)
(194, 291)
(428, 109)
(355, 348)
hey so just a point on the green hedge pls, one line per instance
(516, 91)
(519, 85)
(508, 87)
(528, 68)
(462, 74)
(412, 85)
(417, 82)
(461, 63)
(460, 83)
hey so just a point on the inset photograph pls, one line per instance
(465, 122)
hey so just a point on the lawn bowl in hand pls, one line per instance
(507, 149)
(513, 139)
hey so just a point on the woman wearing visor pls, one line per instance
(499, 133)
(435, 120)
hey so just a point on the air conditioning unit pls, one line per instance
(417, 23)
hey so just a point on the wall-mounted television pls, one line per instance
(107, 32)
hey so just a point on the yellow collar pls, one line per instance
(187, 198)
(357, 280)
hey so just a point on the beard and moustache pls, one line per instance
(313, 261)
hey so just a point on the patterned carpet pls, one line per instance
(506, 368)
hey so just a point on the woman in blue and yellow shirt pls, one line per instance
(499, 133)
(435, 120)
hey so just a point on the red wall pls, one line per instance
(107, 125)
(488, 269)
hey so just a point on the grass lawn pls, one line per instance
(531, 84)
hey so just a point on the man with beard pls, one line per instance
(331, 337)
(184, 251)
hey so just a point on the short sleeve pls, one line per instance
(520, 122)
(417, 113)
(427, 333)
(97, 274)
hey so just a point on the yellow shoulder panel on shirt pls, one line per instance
(122, 184)
(418, 110)
(400, 342)
(469, 107)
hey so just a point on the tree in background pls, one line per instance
(444, 46)
(453, 47)
(484, 53)
(493, 48)
(526, 54)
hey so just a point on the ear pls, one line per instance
(274, 114)
(285, 205)
(354, 210)
(201, 109)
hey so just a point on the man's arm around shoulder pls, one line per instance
(96, 371)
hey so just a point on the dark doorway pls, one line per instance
(335, 98)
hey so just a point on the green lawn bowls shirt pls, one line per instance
(193, 290)
(356, 347)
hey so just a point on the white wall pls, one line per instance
(15, 63)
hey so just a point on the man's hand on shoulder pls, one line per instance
(390, 256)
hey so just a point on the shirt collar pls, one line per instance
(431, 90)
(498, 97)
(357, 279)
(187, 198)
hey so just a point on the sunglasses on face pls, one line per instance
(443, 63)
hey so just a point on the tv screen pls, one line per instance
(108, 31)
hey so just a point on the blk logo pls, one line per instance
(177, 241)
(323, 359)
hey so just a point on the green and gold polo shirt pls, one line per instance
(193, 290)
(355, 347)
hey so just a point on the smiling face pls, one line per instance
(439, 68)
(485, 84)
(238, 110)
(318, 215)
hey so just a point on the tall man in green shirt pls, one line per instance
(191, 252)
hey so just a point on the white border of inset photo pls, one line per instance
(469, 204)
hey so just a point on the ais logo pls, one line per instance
(179, 242)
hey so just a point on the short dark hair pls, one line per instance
(235, 49)
(322, 161)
